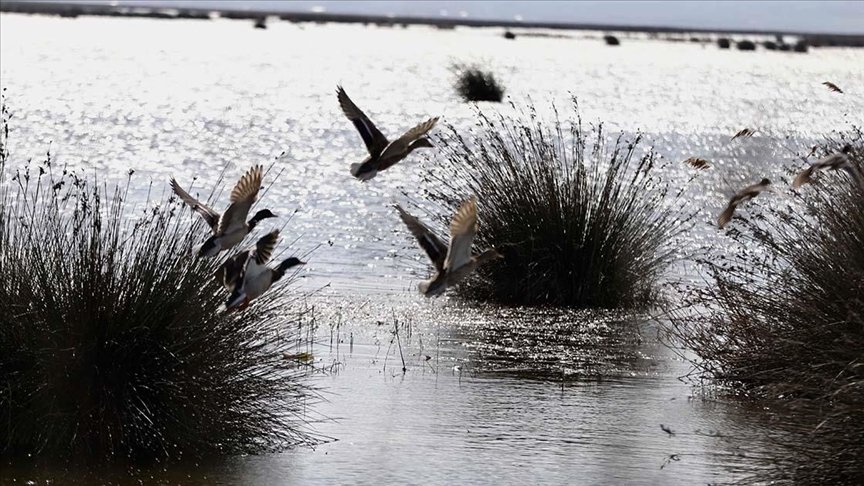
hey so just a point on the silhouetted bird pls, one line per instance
(745, 194)
(453, 263)
(231, 227)
(383, 153)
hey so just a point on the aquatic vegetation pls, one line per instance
(581, 221)
(475, 84)
(782, 317)
(112, 343)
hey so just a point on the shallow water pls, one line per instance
(518, 396)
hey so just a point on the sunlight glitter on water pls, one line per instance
(188, 98)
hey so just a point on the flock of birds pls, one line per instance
(836, 161)
(246, 275)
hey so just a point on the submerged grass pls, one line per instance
(475, 84)
(581, 222)
(112, 343)
(782, 318)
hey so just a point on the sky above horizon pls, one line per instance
(846, 17)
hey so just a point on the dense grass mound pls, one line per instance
(581, 223)
(783, 317)
(475, 84)
(112, 343)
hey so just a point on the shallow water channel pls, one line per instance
(420, 391)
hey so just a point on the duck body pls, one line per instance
(247, 276)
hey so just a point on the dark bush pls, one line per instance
(782, 318)
(611, 40)
(723, 43)
(580, 223)
(112, 343)
(475, 84)
(746, 45)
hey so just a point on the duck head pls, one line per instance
(263, 214)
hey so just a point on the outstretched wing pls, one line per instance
(375, 141)
(265, 246)
(210, 216)
(431, 244)
(397, 150)
(242, 197)
(803, 177)
(231, 272)
(463, 228)
(833, 87)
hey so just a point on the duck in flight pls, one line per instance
(383, 153)
(230, 227)
(246, 274)
(836, 161)
(745, 194)
(453, 263)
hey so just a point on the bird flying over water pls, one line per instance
(744, 133)
(833, 87)
(246, 274)
(231, 227)
(836, 161)
(383, 153)
(454, 262)
(697, 163)
(745, 194)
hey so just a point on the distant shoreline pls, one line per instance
(75, 10)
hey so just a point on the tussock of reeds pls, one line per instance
(475, 84)
(782, 318)
(582, 222)
(112, 343)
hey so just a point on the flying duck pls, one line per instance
(835, 161)
(382, 153)
(231, 227)
(745, 194)
(453, 263)
(246, 274)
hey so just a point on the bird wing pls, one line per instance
(727, 213)
(375, 141)
(242, 197)
(231, 272)
(697, 163)
(833, 161)
(391, 153)
(833, 87)
(803, 177)
(463, 228)
(210, 216)
(431, 244)
(265, 246)
(746, 132)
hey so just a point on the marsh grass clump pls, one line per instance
(112, 343)
(782, 318)
(581, 222)
(475, 84)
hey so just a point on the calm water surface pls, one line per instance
(506, 395)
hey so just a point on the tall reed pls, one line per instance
(112, 343)
(582, 222)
